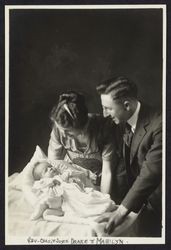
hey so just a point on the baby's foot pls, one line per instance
(54, 212)
(38, 212)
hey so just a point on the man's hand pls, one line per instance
(113, 219)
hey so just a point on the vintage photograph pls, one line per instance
(85, 110)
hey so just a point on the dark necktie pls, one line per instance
(128, 135)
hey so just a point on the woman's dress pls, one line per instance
(101, 145)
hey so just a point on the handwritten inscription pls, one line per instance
(75, 241)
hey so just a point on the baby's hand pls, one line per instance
(92, 176)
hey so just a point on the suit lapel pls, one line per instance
(141, 130)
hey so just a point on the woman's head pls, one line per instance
(71, 111)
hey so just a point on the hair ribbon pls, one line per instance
(68, 110)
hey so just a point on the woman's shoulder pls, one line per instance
(101, 127)
(100, 121)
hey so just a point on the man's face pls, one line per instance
(116, 110)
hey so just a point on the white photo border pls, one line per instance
(112, 240)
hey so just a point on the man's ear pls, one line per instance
(127, 105)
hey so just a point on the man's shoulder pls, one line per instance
(151, 114)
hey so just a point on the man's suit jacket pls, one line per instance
(146, 161)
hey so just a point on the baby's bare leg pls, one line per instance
(54, 202)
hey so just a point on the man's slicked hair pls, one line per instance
(118, 87)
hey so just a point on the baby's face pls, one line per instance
(46, 170)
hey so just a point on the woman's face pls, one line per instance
(70, 132)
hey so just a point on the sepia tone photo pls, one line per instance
(85, 118)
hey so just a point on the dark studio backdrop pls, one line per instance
(56, 50)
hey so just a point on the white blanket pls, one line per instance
(76, 201)
(20, 225)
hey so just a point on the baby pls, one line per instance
(47, 186)
(43, 169)
(69, 192)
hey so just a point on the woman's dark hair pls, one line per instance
(71, 110)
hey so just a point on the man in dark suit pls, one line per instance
(142, 153)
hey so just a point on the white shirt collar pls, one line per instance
(133, 119)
